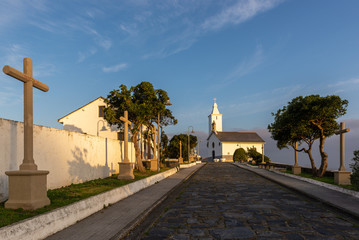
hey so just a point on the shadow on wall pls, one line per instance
(81, 171)
(72, 128)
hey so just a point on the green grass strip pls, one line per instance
(73, 193)
(329, 180)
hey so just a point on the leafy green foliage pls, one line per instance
(144, 104)
(354, 177)
(256, 156)
(240, 155)
(305, 120)
(164, 143)
(173, 149)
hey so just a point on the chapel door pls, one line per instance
(213, 155)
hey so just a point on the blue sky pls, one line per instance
(252, 55)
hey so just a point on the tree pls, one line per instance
(164, 144)
(173, 149)
(305, 120)
(240, 155)
(143, 104)
(354, 177)
(256, 156)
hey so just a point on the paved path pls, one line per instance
(337, 199)
(116, 220)
(223, 201)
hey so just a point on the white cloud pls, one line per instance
(248, 65)
(14, 55)
(44, 70)
(238, 13)
(345, 83)
(115, 68)
(244, 68)
(84, 55)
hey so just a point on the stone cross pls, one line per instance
(296, 155)
(341, 131)
(180, 149)
(154, 142)
(29, 82)
(126, 123)
(27, 186)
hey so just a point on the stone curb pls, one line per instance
(187, 165)
(322, 184)
(46, 224)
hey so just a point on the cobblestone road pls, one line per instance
(223, 201)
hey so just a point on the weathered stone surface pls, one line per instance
(232, 233)
(225, 202)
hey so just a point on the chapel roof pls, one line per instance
(239, 137)
(61, 119)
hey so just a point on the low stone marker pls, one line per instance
(126, 167)
(342, 176)
(28, 186)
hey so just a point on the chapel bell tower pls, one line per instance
(216, 118)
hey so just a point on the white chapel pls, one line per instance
(89, 119)
(221, 144)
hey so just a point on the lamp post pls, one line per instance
(200, 141)
(167, 103)
(189, 141)
(103, 127)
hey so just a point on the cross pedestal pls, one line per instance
(27, 189)
(27, 186)
(296, 169)
(126, 167)
(153, 165)
(342, 176)
(125, 171)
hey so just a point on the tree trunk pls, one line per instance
(314, 168)
(148, 147)
(324, 156)
(140, 166)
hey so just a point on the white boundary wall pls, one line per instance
(70, 157)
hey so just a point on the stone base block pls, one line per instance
(126, 171)
(154, 165)
(342, 177)
(27, 189)
(296, 170)
(180, 160)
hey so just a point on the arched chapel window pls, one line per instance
(213, 145)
